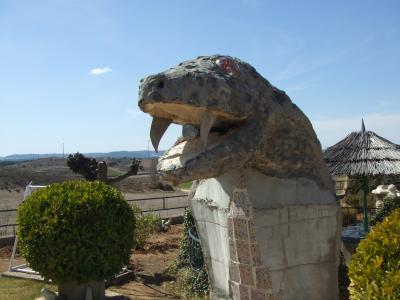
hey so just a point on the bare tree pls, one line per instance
(91, 170)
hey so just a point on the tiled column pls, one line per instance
(249, 279)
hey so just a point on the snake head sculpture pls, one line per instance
(232, 118)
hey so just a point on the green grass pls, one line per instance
(22, 289)
(185, 185)
(111, 172)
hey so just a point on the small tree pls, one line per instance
(75, 233)
(374, 269)
(91, 170)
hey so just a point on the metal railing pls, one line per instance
(354, 215)
(196, 257)
(164, 200)
(8, 224)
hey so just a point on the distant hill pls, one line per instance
(113, 154)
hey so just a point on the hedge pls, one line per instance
(76, 231)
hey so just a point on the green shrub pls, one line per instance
(183, 258)
(389, 204)
(146, 224)
(76, 231)
(190, 283)
(374, 270)
(197, 283)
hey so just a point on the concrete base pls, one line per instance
(268, 238)
(109, 295)
(121, 278)
(69, 291)
(22, 275)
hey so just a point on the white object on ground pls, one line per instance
(388, 190)
(28, 190)
(48, 295)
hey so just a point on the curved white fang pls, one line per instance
(207, 122)
(158, 128)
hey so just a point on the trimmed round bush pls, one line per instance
(76, 231)
(374, 269)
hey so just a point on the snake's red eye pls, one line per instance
(228, 65)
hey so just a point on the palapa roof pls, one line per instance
(363, 153)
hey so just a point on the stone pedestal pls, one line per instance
(71, 291)
(268, 238)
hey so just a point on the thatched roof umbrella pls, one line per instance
(363, 153)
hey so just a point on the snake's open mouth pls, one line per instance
(202, 130)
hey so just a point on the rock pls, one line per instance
(48, 295)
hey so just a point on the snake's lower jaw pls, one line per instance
(204, 130)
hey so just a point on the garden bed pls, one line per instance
(148, 263)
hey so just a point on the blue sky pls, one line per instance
(339, 61)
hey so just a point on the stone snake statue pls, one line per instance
(262, 197)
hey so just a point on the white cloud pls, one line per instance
(332, 130)
(100, 71)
